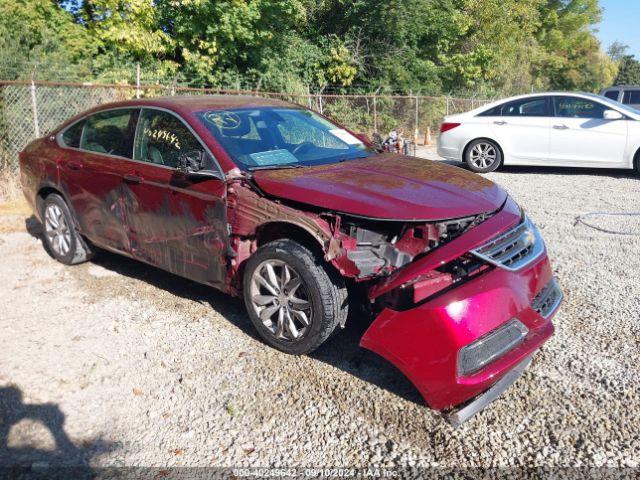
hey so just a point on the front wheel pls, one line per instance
(483, 156)
(293, 298)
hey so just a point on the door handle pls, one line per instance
(132, 178)
(500, 122)
(560, 127)
(74, 165)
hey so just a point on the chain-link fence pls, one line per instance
(30, 110)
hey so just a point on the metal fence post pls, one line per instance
(416, 123)
(34, 108)
(137, 80)
(375, 114)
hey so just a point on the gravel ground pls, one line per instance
(115, 363)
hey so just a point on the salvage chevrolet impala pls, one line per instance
(305, 220)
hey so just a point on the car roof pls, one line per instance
(595, 96)
(196, 103)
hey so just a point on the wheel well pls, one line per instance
(466, 147)
(636, 160)
(277, 230)
(43, 193)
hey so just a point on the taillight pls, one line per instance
(446, 126)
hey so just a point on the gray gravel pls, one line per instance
(126, 365)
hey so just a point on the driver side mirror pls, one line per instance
(191, 164)
(612, 115)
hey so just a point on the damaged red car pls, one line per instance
(306, 220)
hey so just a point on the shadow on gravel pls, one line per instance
(66, 460)
(601, 172)
(342, 351)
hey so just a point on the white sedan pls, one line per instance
(552, 129)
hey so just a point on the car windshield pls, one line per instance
(272, 137)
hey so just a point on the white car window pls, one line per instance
(525, 107)
(576, 107)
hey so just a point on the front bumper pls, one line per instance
(460, 415)
(424, 341)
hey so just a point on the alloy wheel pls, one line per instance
(483, 155)
(281, 300)
(57, 230)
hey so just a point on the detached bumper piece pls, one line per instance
(459, 415)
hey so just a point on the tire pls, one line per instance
(636, 162)
(62, 239)
(313, 293)
(483, 156)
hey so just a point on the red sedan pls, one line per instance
(304, 219)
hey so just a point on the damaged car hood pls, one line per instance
(386, 186)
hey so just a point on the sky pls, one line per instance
(620, 22)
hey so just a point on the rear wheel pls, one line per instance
(62, 239)
(483, 156)
(293, 298)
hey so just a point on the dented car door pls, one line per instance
(177, 223)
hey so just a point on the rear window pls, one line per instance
(526, 107)
(492, 112)
(612, 94)
(110, 132)
(71, 136)
(531, 107)
(631, 97)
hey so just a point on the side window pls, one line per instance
(162, 138)
(72, 135)
(492, 112)
(574, 107)
(110, 132)
(631, 97)
(612, 94)
(528, 107)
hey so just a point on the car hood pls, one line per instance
(386, 186)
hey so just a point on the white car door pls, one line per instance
(581, 137)
(522, 129)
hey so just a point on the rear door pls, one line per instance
(179, 223)
(522, 129)
(91, 168)
(580, 136)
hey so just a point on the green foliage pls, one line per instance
(489, 47)
(629, 71)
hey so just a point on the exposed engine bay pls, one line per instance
(384, 246)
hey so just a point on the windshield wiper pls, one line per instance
(275, 167)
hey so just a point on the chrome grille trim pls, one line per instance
(547, 301)
(514, 249)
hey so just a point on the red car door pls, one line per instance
(179, 224)
(98, 153)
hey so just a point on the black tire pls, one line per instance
(636, 162)
(78, 251)
(483, 156)
(324, 290)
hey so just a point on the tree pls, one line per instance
(628, 71)
(571, 56)
(39, 38)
